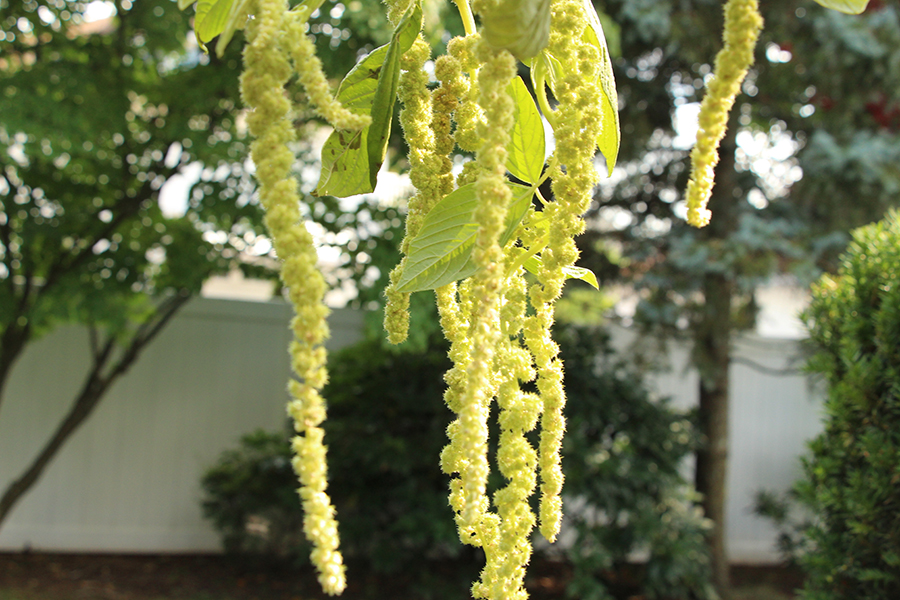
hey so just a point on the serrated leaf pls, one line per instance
(526, 145)
(851, 7)
(350, 161)
(534, 264)
(520, 26)
(183, 4)
(210, 18)
(442, 251)
(608, 140)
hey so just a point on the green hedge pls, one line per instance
(386, 428)
(852, 478)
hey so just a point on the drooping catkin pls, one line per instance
(416, 121)
(742, 26)
(311, 76)
(578, 120)
(516, 458)
(498, 68)
(266, 71)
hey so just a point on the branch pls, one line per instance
(12, 342)
(92, 334)
(93, 390)
(5, 239)
(764, 369)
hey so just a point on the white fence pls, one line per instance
(128, 480)
(772, 416)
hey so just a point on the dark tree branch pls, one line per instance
(764, 369)
(12, 342)
(95, 387)
(94, 341)
(6, 239)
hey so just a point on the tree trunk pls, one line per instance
(712, 458)
(713, 330)
(98, 382)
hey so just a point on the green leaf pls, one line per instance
(442, 251)
(534, 264)
(386, 92)
(851, 7)
(526, 145)
(350, 160)
(548, 66)
(520, 26)
(608, 140)
(237, 16)
(211, 18)
(183, 4)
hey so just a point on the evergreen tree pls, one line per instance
(811, 152)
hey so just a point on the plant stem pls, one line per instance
(466, 14)
(540, 244)
(539, 80)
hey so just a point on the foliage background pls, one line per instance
(622, 459)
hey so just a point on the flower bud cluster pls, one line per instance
(416, 120)
(273, 37)
(578, 119)
(742, 26)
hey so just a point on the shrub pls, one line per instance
(852, 478)
(251, 498)
(385, 432)
(622, 455)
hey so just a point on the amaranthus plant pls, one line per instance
(472, 236)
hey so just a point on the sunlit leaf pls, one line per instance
(237, 16)
(547, 66)
(345, 160)
(852, 7)
(608, 140)
(350, 162)
(520, 26)
(442, 251)
(386, 92)
(211, 18)
(526, 145)
(534, 264)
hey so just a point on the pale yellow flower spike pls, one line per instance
(498, 68)
(416, 121)
(266, 71)
(468, 113)
(516, 458)
(742, 26)
(309, 68)
(578, 119)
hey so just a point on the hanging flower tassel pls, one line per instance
(578, 119)
(266, 71)
(425, 165)
(516, 458)
(742, 26)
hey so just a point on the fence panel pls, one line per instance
(128, 481)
